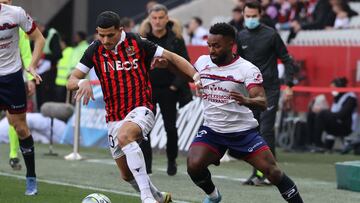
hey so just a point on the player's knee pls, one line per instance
(274, 173)
(21, 128)
(193, 165)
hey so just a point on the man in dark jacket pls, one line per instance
(53, 53)
(168, 88)
(262, 46)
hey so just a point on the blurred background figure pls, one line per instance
(168, 89)
(237, 18)
(197, 33)
(338, 121)
(128, 24)
(63, 70)
(52, 53)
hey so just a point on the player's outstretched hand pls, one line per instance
(85, 91)
(198, 84)
(37, 77)
(159, 62)
(239, 98)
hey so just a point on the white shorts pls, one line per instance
(142, 116)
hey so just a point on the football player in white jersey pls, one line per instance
(230, 85)
(12, 88)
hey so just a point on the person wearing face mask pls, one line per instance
(339, 120)
(262, 46)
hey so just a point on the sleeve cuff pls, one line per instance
(82, 68)
(159, 51)
(33, 27)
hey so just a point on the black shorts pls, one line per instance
(12, 93)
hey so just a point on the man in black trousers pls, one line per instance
(262, 46)
(168, 88)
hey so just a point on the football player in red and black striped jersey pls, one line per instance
(122, 62)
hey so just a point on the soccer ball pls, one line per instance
(96, 198)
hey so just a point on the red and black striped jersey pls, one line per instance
(123, 73)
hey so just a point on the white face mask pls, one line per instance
(334, 93)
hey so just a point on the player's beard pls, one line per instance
(220, 59)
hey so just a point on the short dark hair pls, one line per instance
(223, 29)
(254, 4)
(81, 34)
(340, 82)
(108, 19)
(125, 22)
(198, 20)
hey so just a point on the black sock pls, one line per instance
(204, 181)
(28, 152)
(289, 190)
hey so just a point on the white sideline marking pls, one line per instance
(78, 186)
(111, 162)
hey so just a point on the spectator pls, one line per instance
(52, 51)
(343, 14)
(237, 18)
(339, 121)
(168, 89)
(127, 23)
(321, 16)
(63, 71)
(197, 33)
(296, 12)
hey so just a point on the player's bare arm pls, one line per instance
(183, 66)
(83, 86)
(39, 43)
(256, 98)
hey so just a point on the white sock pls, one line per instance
(134, 185)
(136, 163)
(214, 194)
(154, 191)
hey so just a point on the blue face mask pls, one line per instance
(252, 23)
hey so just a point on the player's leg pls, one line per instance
(266, 120)
(201, 154)
(264, 161)
(27, 149)
(14, 146)
(128, 135)
(13, 96)
(161, 197)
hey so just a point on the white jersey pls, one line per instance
(221, 113)
(11, 18)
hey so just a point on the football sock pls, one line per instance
(136, 163)
(203, 180)
(28, 152)
(134, 185)
(154, 191)
(289, 190)
(13, 142)
(214, 194)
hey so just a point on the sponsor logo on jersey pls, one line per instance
(120, 65)
(130, 50)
